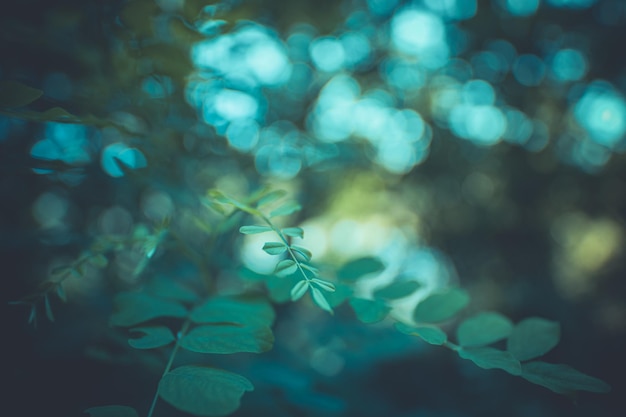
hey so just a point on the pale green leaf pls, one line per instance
(441, 306)
(151, 337)
(294, 232)
(303, 252)
(271, 197)
(112, 411)
(430, 334)
(286, 209)
(131, 308)
(358, 268)
(299, 290)
(203, 391)
(226, 339)
(323, 284)
(483, 329)
(397, 289)
(252, 230)
(286, 267)
(274, 248)
(490, 358)
(369, 311)
(244, 310)
(320, 300)
(562, 379)
(533, 337)
(15, 94)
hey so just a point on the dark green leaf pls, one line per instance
(279, 288)
(369, 311)
(171, 289)
(274, 248)
(227, 339)
(252, 230)
(245, 310)
(203, 391)
(286, 267)
(430, 334)
(151, 337)
(483, 329)
(490, 358)
(112, 411)
(320, 300)
(533, 337)
(358, 268)
(99, 260)
(398, 289)
(342, 293)
(562, 379)
(441, 306)
(61, 292)
(299, 290)
(15, 94)
(132, 308)
(286, 209)
(294, 232)
(48, 309)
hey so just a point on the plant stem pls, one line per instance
(181, 333)
(284, 239)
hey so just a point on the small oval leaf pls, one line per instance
(286, 267)
(358, 268)
(203, 391)
(441, 306)
(304, 253)
(286, 209)
(430, 334)
(369, 311)
(562, 379)
(131, 308)
(533, 337)
(299, 290)
(320, 300)
(324, 285)
(483, 329)
(151, 337)
(397, 289)
(226, 339)
(490, 358)
(271, 197)
(253, 230)
(274, 248)
(294, 232)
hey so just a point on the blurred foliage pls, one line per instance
(429, 145)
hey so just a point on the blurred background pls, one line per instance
(470, 142)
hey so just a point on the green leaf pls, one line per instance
(533, 337)
(132, 308)
(490, 358)
(112, 411)
(286, 209)
(320, 300)
(294, 232)
(151, 337)
(15, 94)
(303, 252)
(342, 293)
(483, 329)
(430, 334)
(170, 289)
(323, 284)
(274, 248)
(562, 379)
(203, 391)
(357, 268)
(253, 230)
(245, 310)
(369, 311)
(228, 339)
(271, 197)
(441, 306)
(311, 269)
(61, 292)
(286, 267)
(397, 289)
(299, 290)
(99, 261)
(280, 288)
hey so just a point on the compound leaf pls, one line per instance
(151, 337)
(562, 379)
(441, 306)
(203, 391)
(533, 337)
(227, 339)
(369, 311)
(131, 308)
(483, 329)
(490, 358)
